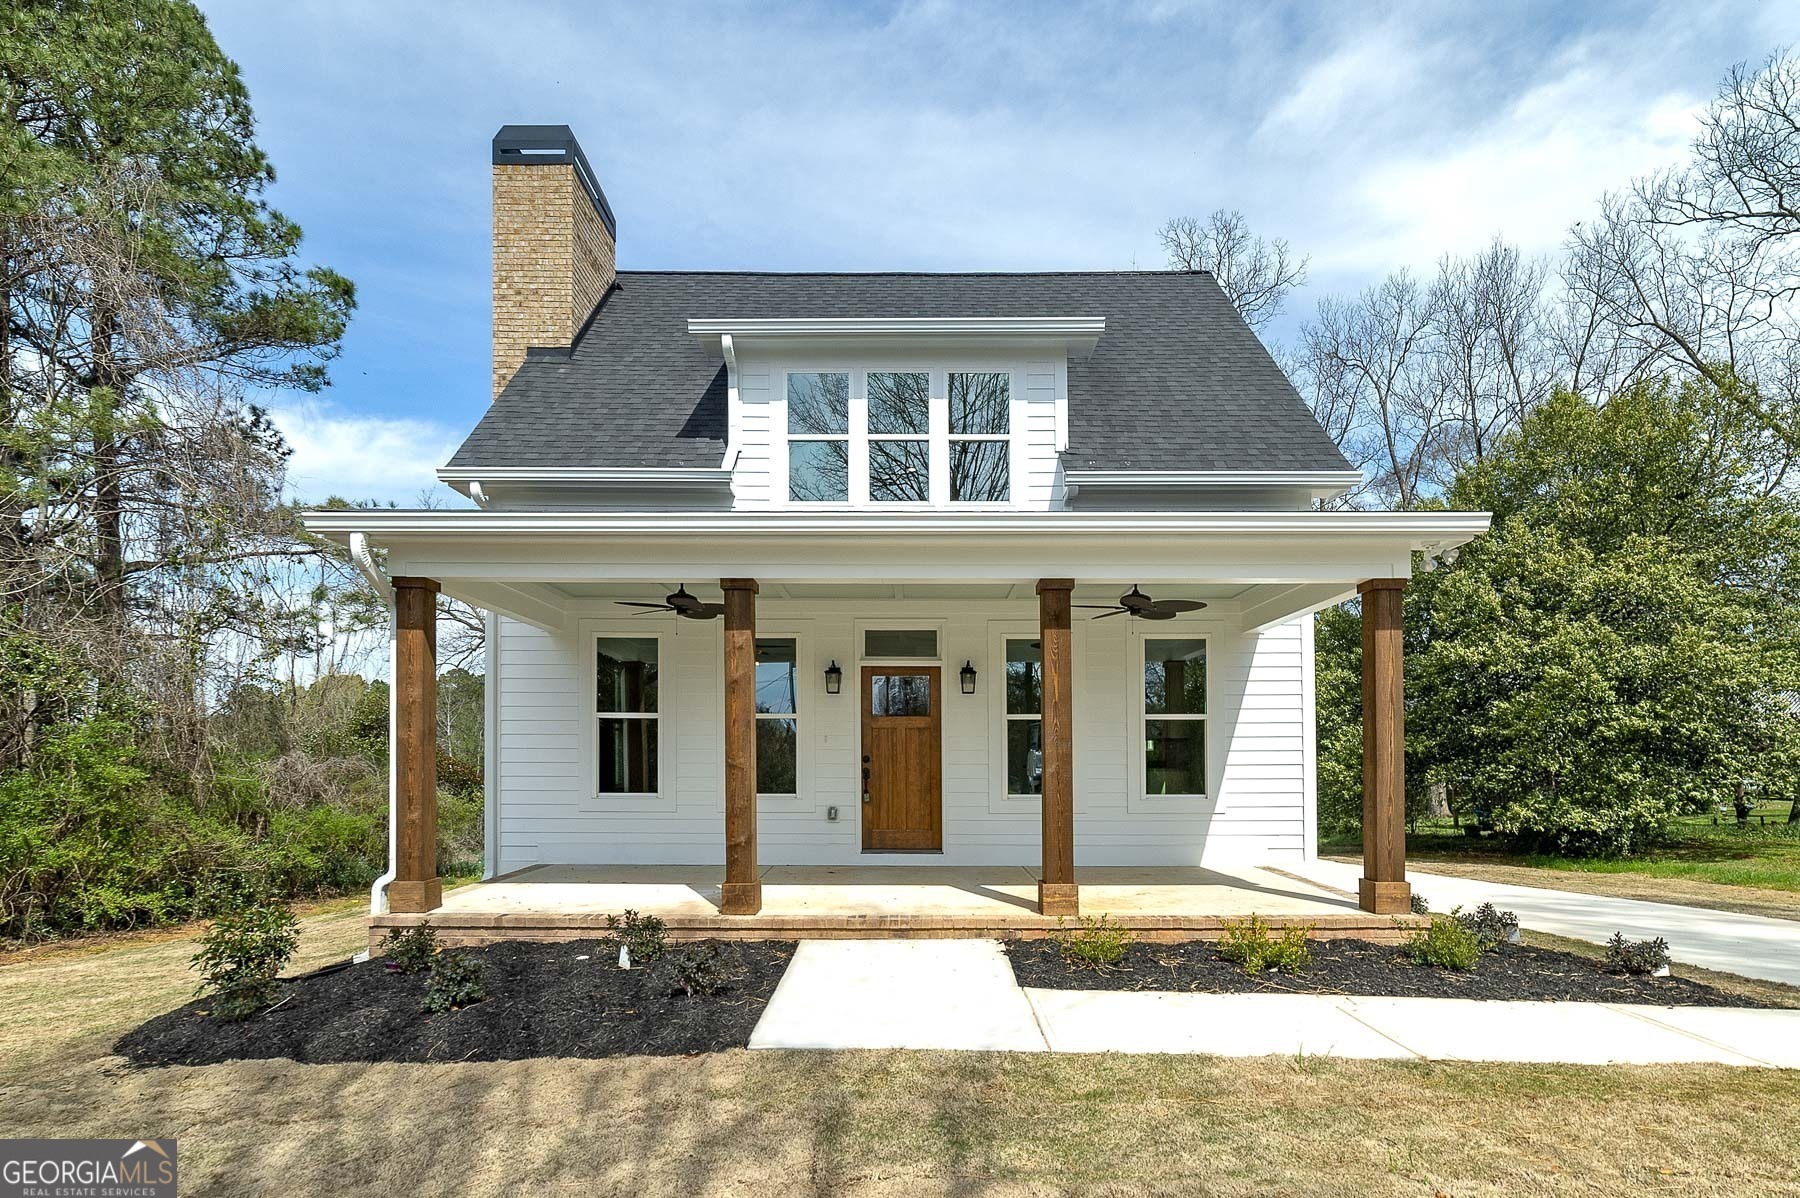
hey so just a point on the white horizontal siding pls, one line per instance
(1258, 806)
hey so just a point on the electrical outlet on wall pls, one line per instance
(831, 814)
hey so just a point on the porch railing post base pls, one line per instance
(415, 898)
(740, 898)
(1384, 898)
(1059, 898)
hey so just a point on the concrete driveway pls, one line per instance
(1748, 945)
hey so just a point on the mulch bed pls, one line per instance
(542, 1002)
(1512, 971)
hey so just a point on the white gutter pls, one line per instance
(1079, 333)
(477, 494)
(586, 476)
(365, 564)
(1321, 484)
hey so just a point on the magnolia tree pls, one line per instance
(1622, 648)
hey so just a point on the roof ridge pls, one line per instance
(921, 274)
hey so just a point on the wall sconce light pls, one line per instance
(834, 678)
(967, 674)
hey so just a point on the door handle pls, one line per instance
(865, 782)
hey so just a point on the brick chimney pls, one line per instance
(554, 242)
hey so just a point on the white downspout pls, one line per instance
(734, 411)
(365, 564)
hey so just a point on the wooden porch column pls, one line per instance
(1383, 889)
(742, 893)
(416, 886)
(1057, 894)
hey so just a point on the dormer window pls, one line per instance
(818, 423)
(883, 437)
(980, 436)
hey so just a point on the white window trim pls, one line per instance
(999, 801)
(661, 799)
(1136, 798)
(800, 632)
(1011, 437)
(938, 437)
(855, 415)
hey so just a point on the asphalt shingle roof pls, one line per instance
(1177, 382)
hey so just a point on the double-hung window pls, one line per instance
(818, 429)
(899, 436)
(777, 716)
(1024, 716)
(625, 704)
(980, 436)
(1174, 721)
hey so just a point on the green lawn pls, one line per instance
(1765, 855)
(1754, 870)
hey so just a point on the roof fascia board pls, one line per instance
(1429, 531)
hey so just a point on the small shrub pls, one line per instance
(1419, 905)
(1098, 943)
(1492, 927)
(645, 935)
(1254, 947)
(455, 982)
(1641, 957)
(699, 970)
(251, 938)
(409, 950)
(1447, 944)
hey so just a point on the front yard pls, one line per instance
(865, 1123)
(1754, 871)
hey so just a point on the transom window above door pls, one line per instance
(899, 436)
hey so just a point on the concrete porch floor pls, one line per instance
(566, 902)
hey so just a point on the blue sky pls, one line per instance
(929, 136)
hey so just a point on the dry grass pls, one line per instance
(870, 1123)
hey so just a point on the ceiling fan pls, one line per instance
(1139, 606)
(681, 603)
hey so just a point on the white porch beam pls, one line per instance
(532, 603)
(896, 561)
(1267, 607)
(1240, 549)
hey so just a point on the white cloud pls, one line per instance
(1364, 75)
(361, 457)
(1527, 173)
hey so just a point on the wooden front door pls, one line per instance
(902, 758)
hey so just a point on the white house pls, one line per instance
(882, 569)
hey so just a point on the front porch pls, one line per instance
(1182, 742)
(1164, 904)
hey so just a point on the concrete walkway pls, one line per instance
(1749, 945)
(960, 994)
(899, 994)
